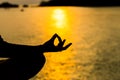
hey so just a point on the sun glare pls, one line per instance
(59, 14)
(59, 18)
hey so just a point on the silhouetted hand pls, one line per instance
(1, 39)
(50, 47)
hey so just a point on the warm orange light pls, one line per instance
(59, 18)
(59, 14)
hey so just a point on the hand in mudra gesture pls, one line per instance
(50, 47)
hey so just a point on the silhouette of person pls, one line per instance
(25, 61)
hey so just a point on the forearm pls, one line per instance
(6, 49)
(12, 50)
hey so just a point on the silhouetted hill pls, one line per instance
(8, 5)
(25, 5)
(97, 3)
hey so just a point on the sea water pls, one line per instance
(94, 32)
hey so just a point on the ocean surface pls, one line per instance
(94, 32)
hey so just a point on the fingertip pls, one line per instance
(53, 37)
(64, 40)
(70, 43)
(59, 38)
(67, 46)
(55, 34)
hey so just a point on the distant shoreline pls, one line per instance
(74, 6)
(59, 3)
(8, 5)
(81, 3)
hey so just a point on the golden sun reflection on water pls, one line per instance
(58, 64)
(92, 55)
(58, 21)
(59, 18)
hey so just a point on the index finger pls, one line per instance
(59, 38)
(53, 37)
